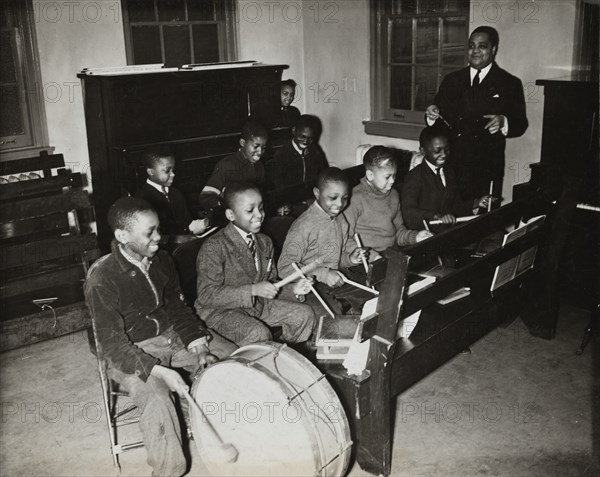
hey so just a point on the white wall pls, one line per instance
(271, 32)
(72, 36)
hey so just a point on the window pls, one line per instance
(416, 43)
(23, 129)
(177, 32)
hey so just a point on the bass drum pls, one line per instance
(276, 409)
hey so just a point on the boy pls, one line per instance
(321, 233)
(430, 190)
(235, 269)
(289, 114)
(166, 200)
(374, 213)
(144, 328)
(300, 160)
(243, 165)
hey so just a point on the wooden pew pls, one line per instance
(45, 251)
(441, 333)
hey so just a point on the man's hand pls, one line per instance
(447, 219)
(302, 286)
(357, 255)
(432, 112)
(423, 234)
(171, 378)
(265, 290)
(333, 278)
(495, 123)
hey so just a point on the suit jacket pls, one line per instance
(423, 196)
(464, 106)
(226, 272)
(173, 213)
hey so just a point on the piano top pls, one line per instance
(158, 68)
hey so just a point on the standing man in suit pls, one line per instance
(482, 104)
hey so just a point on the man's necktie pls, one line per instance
(476, 79)
(438, 176)
(165, 193)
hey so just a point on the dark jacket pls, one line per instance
(477, 154)
(127, 310)
(289, 167)
(173, 213)
(423, 196)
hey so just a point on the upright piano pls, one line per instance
(198, 111)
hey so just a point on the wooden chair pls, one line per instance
(45, 250)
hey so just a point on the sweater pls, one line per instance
(377, 218)
(316, 236)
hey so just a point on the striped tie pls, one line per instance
(165, 193)
(251, 246)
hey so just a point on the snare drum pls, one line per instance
(278, 411)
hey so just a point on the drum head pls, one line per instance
(275, 408)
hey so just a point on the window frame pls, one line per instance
(29, 78)
(385, 120)
(227, 31)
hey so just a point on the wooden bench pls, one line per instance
(46, 248)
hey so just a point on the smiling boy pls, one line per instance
(321, 234)
(144, 329)
(165, 199)
(374, 212)
(235, 266)
(301, 159)
(430, 190)
(243, 165)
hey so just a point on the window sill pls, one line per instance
(389, 128)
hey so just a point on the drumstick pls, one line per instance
(225, 452)
(311, 267)
(588, 207)
(312, 289)
(458, 220)
(364, 260)
(489, 207)
(360, 285)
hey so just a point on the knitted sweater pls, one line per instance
(376, 217)
(316, 236)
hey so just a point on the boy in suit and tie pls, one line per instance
(236, 296)
(289, 114)
(430, 190)
(166, 200)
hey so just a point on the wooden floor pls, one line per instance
(517, 406)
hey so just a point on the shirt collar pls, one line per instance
(143, 265)
(431, 166)
(243, 233)
(325, 213)
(298, 150)
(482, 73)
(158, 187)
